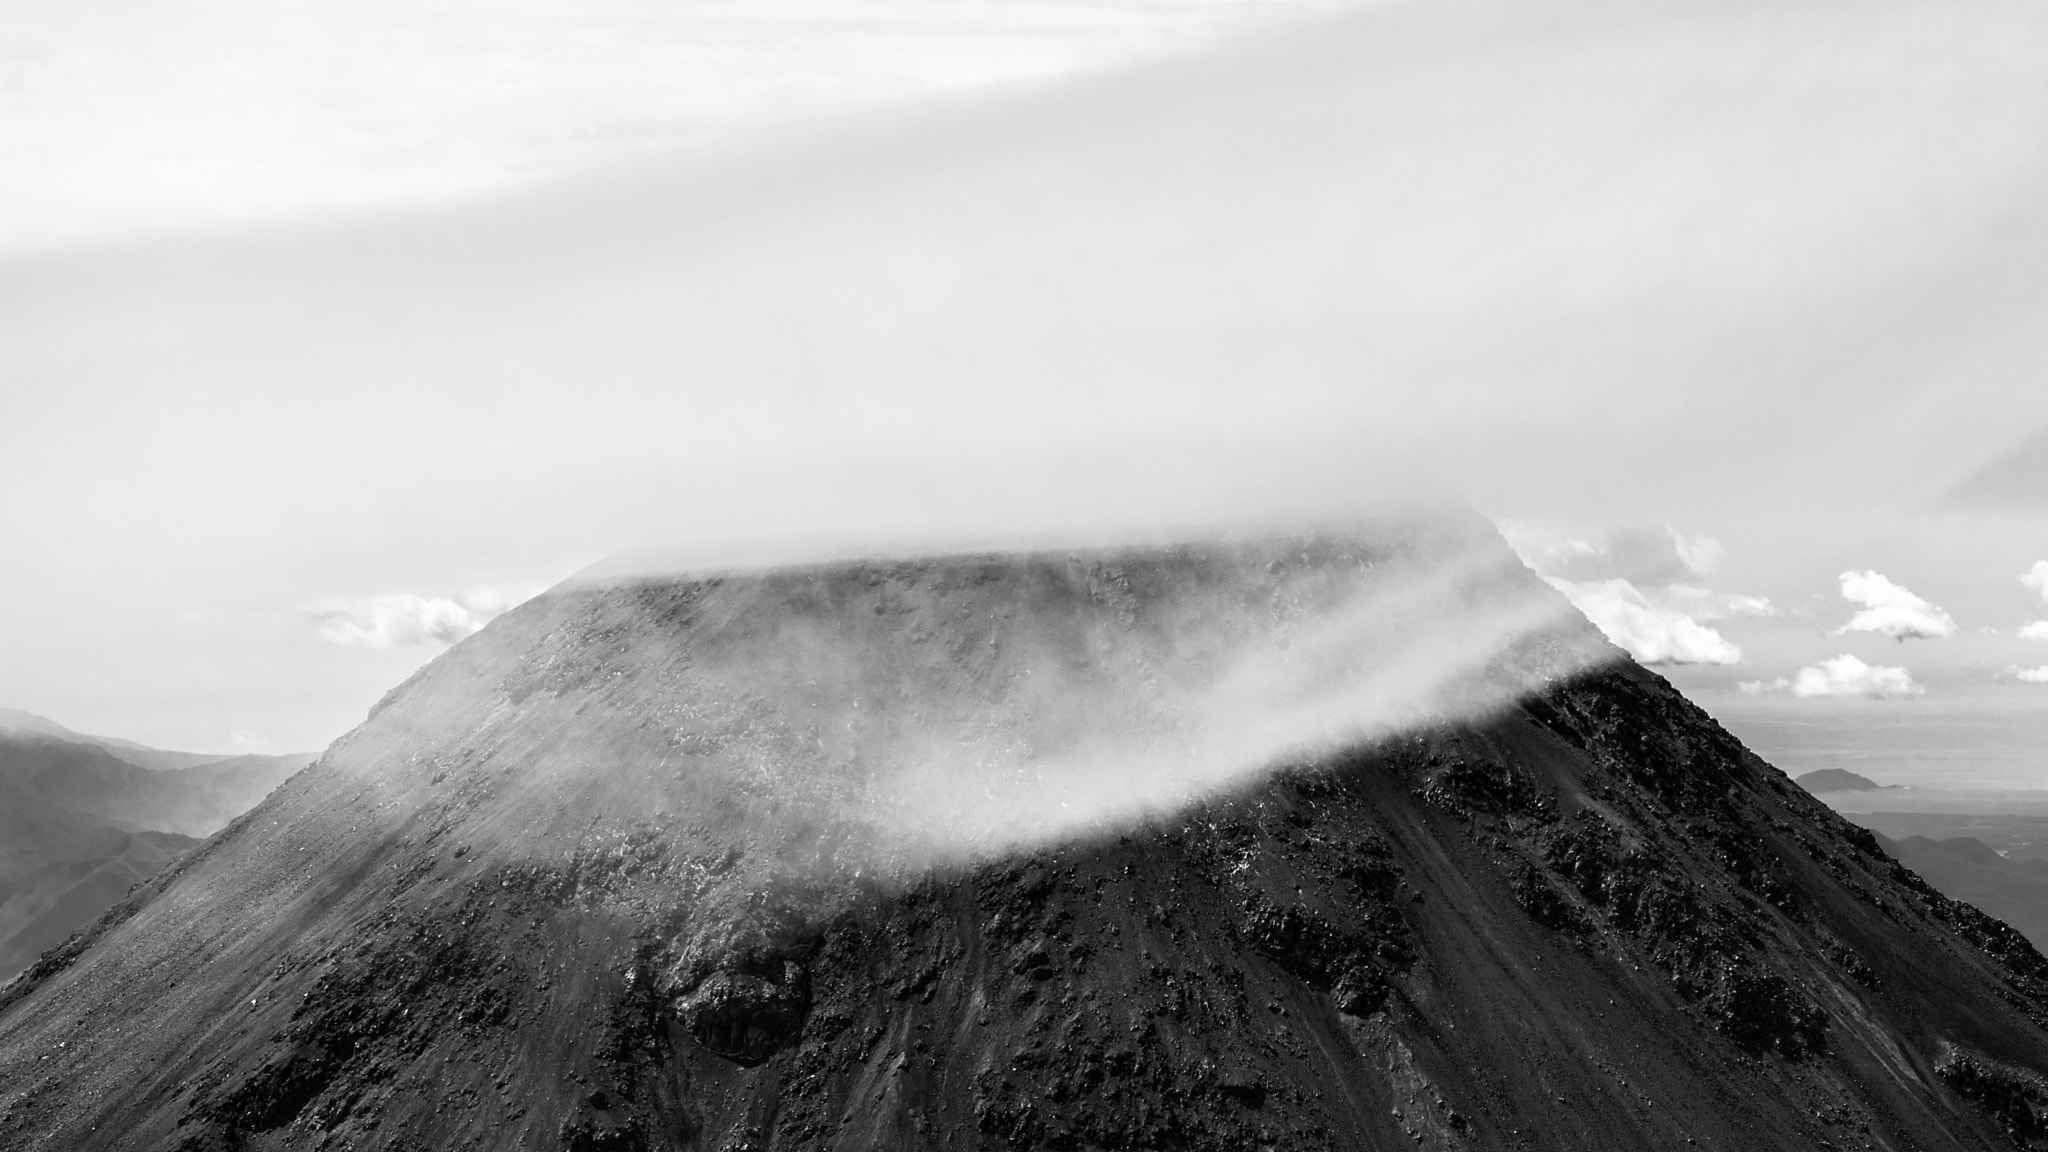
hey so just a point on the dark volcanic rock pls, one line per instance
(562, 892)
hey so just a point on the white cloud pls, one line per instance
(400, 619)
(2032, 675)
(1652, 633)
(1641, 587)
(1842, 675)
(2035, 579)
(1702, 603)
(1639, 554)
(243, 740)
(2038, 630)
(1892, 610)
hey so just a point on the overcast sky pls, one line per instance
(327, 332)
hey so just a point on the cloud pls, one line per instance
(1640, 585)
(1892, 610)
(1706, 604)
(243, 740)
(1639, 554)
(1652, 633)
(1842, 675)
(2032, 675)
(401, 619)
(2035, 579)
(2038, 630)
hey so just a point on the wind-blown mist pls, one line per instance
(1535, 246)
(896, 713)
(1576, 259)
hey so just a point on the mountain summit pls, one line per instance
(1341, 841)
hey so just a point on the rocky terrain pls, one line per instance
(82, 819)
(630, 870)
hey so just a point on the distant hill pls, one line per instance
(59, 869)
(81, 821)
(14, 721)
(1836, 780)
(93, 780)
(1966, 868)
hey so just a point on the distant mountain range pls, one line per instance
(15, 722)
(83, 818)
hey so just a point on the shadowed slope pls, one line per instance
(59, 869)
(664, 865)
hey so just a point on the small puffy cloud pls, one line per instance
(2038, 630)
(1652, 633)
(243, 740)
(400, 619)
(1843, 675)
(1708, 605)
(2032, 675)
(1892, 610)
(2035, 579)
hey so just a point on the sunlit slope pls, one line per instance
(937, 854)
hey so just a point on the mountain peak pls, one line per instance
(791, 859)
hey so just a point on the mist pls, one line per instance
(1569, 260)
(884, 715)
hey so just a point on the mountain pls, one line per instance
(15, 722)
(59, 870)
(93, 780)
(1965, 868)
(80, 825)
(1836, 780)
(941, 853)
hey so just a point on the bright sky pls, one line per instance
(120, 117)
(475, 299)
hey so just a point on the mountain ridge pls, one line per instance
(84, 823)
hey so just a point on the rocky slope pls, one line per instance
(629, 870)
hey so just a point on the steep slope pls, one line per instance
(688, 864)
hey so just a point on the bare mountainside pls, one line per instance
(937, 854)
